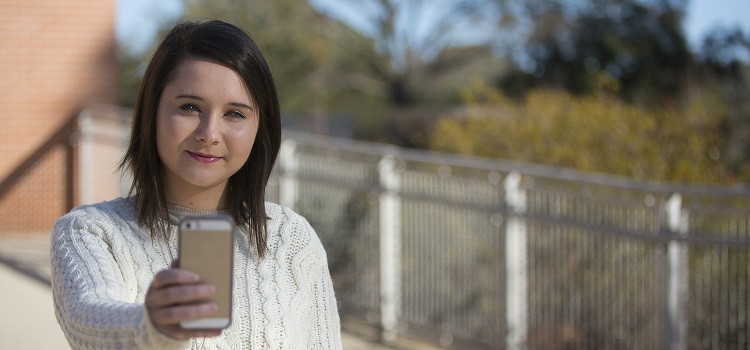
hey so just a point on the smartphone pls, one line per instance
(206, 248)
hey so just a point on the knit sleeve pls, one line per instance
(325, 324)
(90, 294)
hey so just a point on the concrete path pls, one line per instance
(28, 320)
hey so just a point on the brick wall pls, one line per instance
(55, 58)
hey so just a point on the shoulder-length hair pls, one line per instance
(229, 45)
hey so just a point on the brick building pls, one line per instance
(56, 57)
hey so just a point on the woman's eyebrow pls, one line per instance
(240, 105)
(194, 97)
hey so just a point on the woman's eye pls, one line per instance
(235, 114)
(189, 107)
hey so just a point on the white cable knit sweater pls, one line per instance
(103, 264)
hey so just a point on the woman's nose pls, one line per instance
(207, 131)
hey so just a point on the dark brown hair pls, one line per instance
(229, 45)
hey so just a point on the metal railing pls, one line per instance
(492, 254)
(477, 253)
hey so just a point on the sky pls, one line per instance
(137, 20)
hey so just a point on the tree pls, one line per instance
(638, 43)
(422, 54)
(417, 40)
(723, 49)
(725, 69)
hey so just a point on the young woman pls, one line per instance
(206, 133)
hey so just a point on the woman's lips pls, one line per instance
(204, 158)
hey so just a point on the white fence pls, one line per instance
(477, 253)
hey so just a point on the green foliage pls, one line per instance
(639, 43)
(597, 133)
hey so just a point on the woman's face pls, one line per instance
(205, 128)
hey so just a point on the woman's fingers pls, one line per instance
(179, 294)
(175, 314)
(173, 276)
(176, 296)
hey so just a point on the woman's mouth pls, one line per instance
(204, 158)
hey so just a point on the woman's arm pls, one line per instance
(93, 302)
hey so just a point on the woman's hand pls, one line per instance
(175, 295)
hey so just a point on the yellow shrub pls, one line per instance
(597, 133)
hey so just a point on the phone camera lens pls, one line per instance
(188, 225)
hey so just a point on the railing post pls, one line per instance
(515, 263)
(677, 275)
(288, 182)
(390, 248)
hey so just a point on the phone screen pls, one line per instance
(206, 248)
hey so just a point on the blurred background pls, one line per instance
(489, 174)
